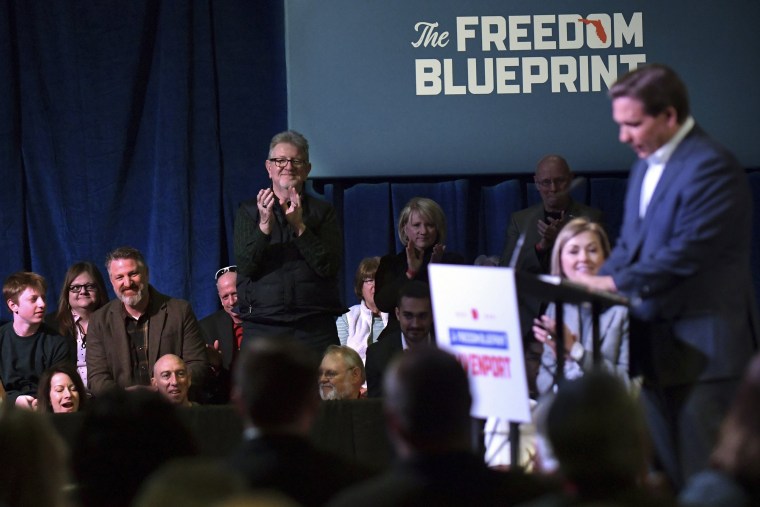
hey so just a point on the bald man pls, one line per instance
(540, 224)
(172, 379)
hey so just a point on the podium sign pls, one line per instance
(476, 319)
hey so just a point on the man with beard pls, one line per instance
(172, 380)
(129, 334)
(415, 318)
(341, 374)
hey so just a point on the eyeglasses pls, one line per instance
(331, 374)
(282, 162)
(558, 182)
(228, 269)
(88, 287)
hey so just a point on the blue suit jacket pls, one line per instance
(686, 267)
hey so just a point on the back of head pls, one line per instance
(657, 87)
(738, 449)
(275, 383)
(32, 460)
(427, 393)
(598, 434)
(126, 436)
(190, 482)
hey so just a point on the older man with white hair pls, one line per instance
(341, 374)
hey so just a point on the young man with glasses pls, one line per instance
(288, 248)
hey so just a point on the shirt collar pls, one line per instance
(662, 155)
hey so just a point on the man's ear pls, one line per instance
(672, 116)
(11, 305)
(398, 313)
(153, 382)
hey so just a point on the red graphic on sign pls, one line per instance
(599, 28)
(474, 312)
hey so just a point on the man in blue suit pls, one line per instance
(683, 257)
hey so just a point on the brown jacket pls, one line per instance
(173, 329)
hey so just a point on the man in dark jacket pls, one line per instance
(275, 394)
(288, 249)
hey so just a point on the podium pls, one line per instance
(560, 291)
(555, 289)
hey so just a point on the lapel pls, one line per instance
(227, 337)
(118, 340)
(157, 321)
(632, 224)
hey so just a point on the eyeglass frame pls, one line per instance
(281, 162)
(222, 271)
(88, 287)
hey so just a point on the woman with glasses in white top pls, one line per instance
(362, 324)
(83, 292)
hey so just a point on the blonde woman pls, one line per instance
(580, 249)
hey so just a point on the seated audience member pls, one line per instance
(415, 317)
(733, 478)
(33, 468)
(223, 332)
(580, 249)
(61, 390)
(125, 437)
(422, 231)
(27, 346)
(83, 292)
(130, 333)
(172, 379)
(341, 374)
(597, 432)
(274, 393)
(363, 323)
(427, 413)
(190, 482)
(539, 225)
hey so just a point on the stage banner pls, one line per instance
(476, 319)
(455, 87)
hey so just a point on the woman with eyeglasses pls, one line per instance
(83, 292)
(363, 323)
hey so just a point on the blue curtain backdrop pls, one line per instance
(147, 122)
(138, 123)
